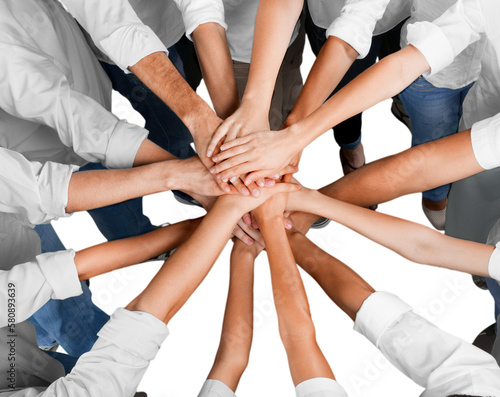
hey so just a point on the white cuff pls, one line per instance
(195, 13)
(215, 388)
(53, 185)
(378, 312)
(345, 28)
(485, 139)
(494, 263)
(320, 387)
(60, 272)
(138, 333)
(124, 145)
(433, 44)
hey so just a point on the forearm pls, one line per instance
(161, 76)
(188, 266)
(344, 286)
(94, 189)
(333, 61)
(237, 329)
(411, 240)
(382, 81)
(149, 153)
(273, 30)
(113, 255)
(216, 67)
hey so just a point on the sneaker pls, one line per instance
(320, 223)
(398, 110)
(436, 218)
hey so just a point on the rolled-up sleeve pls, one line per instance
(118, 360)
(443, 39)
(38, 192)
(33, 88)
(356, 23)
(116, 29)
(28, 286)
(485, 138)
(197, 12)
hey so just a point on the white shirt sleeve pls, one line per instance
(117, 362)
(116, 29)
(356, 23)
(436, 360)
(443, 39)
(28, 286)
(485, 138)
(38, 192)
(33, 88)
(197, 12)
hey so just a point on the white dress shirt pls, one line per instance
(54, 95)
(436, 360)
(446, 37)
(236, 16)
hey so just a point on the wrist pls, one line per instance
(295, 137)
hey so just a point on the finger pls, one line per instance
(289, 169)
(255, 175)
(216, 137)
(253, 189)
(240, 186)
(230, 163)
(288, 224)
(256, 235)
(255, 224)
(237, 171)
(269, 182)
(247, 218)
(229, 153)
(240, 234)
(225, 187)
(236, 142)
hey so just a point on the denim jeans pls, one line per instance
(434, 113)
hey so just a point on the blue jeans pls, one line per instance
(434, 113)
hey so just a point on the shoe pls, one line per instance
(436, 218)
(320, 223)
(140, 394)
(486, 339)
(184, 198)
(480, 282)
(398, 110)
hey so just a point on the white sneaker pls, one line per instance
(436, 218)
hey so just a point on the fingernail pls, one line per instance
(245, 191)
(260, 182)
(212, 170)
(223, 147)
(209, 153)
(288, 225)
(249, 242)
(224, 180)
(227, 190)
(256, 193)
(215, 158)
(269, 183)
(276, 176)
(233, 179)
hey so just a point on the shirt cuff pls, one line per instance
(431, 41)
(124, 145)
(378, 312)
(319, 387)
(138, 333)
(352, 30)
(59, 269)
(485, 138)
(494, 264)
(53, 185)
(215, 388)
(128, 45)
(195, 13)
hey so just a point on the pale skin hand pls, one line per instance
(297, 332)
(237, 329)
(415, 242)
(382, 81)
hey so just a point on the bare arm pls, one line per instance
(296, 328)
(237, 329)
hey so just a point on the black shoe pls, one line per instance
(184, 198)
(320, 223)
(486, 339)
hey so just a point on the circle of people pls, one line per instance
(63, 151)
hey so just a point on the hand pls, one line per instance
(245, 204)
(245, 120)
(248, 234)
(262, 154)
(272, 208)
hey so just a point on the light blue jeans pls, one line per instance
(434, 113)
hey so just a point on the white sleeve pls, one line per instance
(38, 192)
(197, 12)
(28, 286)
(116, 29)
(436, 360)
(443, 39)
(356, 23)
(485, 138)
(127, 343)
(32, 87)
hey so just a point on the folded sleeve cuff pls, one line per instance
(124, 145)
(485, 138)
(129, 44)
(431, 41)
(193, 24)
(215, 388)
(378, 312)
(53, 184)
(138, 333)
(320, 387)
(59, 270)
(351, 30)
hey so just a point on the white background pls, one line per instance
(447, 298)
